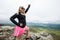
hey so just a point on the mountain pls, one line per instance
(37, 25)
(42, 25)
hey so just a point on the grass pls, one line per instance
(54, 33)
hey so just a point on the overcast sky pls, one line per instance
(43, 11)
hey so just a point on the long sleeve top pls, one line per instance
(21, 18)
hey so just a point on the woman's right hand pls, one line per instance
(21, 24)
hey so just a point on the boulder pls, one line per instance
(7, 35)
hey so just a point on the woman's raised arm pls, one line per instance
(27, 8)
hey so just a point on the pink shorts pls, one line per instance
(18, 31)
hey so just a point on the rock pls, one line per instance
(7, 35)
(45, 36)
(5, 32)
(7, 27)
(40, 36)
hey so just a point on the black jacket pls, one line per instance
(21, 18)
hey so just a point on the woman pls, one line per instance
(20, 27)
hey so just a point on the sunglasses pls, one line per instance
(22, 8)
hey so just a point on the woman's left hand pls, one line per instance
(29, 4)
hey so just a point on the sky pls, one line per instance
(41, 11)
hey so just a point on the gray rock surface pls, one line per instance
(6, 34)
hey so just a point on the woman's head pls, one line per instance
(21, 9)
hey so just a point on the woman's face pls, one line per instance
(21, 9)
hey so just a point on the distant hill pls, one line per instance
(38, 25)
(48, 26)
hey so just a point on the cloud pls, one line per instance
(45, 11)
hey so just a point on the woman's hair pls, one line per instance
(21, 8)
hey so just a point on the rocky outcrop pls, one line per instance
(40, 36)
(6, 34)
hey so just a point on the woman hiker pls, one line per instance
(20, 26)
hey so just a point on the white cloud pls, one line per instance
(45, 11)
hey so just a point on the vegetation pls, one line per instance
(54, 33)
